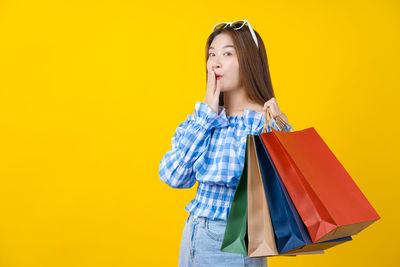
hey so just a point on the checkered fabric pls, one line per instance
(210, 149)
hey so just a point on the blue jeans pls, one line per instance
(201, 246)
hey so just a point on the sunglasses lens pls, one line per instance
(237, 25)
(219, 26)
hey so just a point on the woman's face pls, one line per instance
(223, 60)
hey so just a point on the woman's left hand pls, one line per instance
(273, 107)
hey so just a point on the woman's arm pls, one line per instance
(190, 141)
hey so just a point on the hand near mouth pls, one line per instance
(213, 91)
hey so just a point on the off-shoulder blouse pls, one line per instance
(210, 148)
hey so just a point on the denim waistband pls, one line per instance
(201, 219)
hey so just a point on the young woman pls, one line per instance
(209, 147)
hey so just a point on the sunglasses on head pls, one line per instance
(236, 25)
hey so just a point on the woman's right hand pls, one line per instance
(213, 91)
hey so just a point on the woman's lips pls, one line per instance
(218, 77)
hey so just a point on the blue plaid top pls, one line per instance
(210, 148)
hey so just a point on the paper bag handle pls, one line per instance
(280, 123)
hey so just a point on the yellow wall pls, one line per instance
(91, 93)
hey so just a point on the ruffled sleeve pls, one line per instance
(190, 141)
(207, 118)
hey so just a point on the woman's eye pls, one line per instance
(224, 53)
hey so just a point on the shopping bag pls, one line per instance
(236, 235)
(327, 199)
(262, 237)
(291, 233)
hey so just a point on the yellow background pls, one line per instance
(91, 93)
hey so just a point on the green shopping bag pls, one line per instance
(235, 237)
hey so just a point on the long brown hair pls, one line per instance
(253, 64)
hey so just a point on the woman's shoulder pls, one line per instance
(257, 108)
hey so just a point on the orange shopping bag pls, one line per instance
(327, 199)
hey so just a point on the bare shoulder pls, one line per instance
(258, 108)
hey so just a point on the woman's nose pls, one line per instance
(216, 64)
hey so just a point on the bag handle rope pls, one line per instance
(280, 123)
